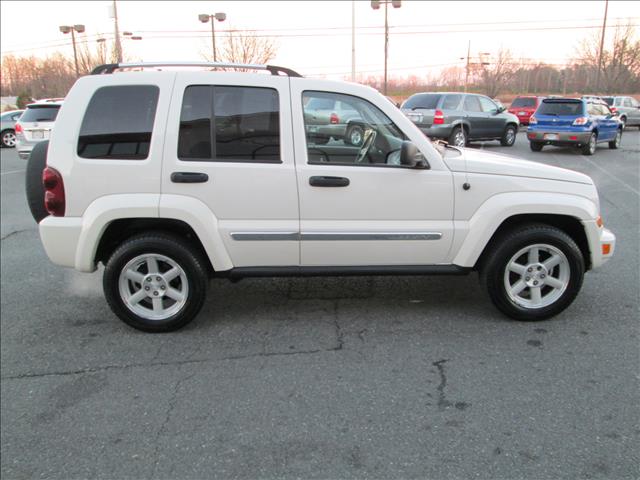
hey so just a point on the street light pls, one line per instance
(375, 4)
(75, 28)
(204, 18)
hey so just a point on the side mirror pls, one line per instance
(411, 157)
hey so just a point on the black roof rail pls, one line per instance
(273, 69)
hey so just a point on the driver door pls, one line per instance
(358, 206)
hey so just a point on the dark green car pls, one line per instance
(460, 118)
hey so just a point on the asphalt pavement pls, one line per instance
(331, 378)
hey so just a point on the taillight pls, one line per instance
(54, 200)
(438, 118)
(18, 128)
(613, 109)
(333, 119)
(581, 121)
(533, 120)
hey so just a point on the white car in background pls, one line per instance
(35, 125)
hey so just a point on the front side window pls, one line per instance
(487, 105)
(359, 134)
(229, 124)
(118, 123)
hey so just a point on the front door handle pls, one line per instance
(189, 177)
(328, 181)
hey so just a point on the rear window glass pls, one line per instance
(229, 124)
(451, 102)
(118, 123)
(524, 102)
(43, 113)
(560, 108)
(427, 101)
(609, 100)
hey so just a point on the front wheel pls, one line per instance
(533, 273)
(458, 137)
(8, 139)
(509, 136)
(615, 143)
(155, 282)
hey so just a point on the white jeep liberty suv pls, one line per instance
(169, 176)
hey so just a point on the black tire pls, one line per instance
(536, 146)
(500, 253)
(623, 119)
(33, 180)
(509, 136)
(8, 138)
(182, 253)
(615, 143)
(589, 148)
(353, 133)
(456, 134)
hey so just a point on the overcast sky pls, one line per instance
(315, 37)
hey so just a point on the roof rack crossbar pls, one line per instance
(273, 69)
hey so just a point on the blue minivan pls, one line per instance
(573, 122)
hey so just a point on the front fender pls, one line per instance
(473, 235)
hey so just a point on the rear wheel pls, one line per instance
(623, 120)
(458, 137)
(589, 148)
(615, 143)
(534, 272)
(33, 180)
(155, 282)
(509, 136)
(355, 135)
(535, 146)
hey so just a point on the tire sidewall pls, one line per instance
(2, 142)
(504, 141)
(494, 276)
(172, 248)
(350, 131)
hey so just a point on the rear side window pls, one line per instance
(229, 124)
(44, 113)
(560, 108)
(451, 102)
(472, 104)
(118, 123)
(425, 101)
(524, 102)
(609, 100)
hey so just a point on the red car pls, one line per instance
(524, 107)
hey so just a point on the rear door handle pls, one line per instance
(328, 181)
(189, 177)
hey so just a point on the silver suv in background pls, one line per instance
(627, 108)
(35, 125)
(328, 118)
(461, 117)
(8, 128)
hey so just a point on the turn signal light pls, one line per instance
(606, 248)
(599, 221)
(532, 120)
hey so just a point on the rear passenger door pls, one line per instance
(451, 108)
(229, 144)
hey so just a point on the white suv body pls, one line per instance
(302, 210)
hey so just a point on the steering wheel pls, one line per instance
(369, 138)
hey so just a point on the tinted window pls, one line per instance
(427, 101)
(451, 102)
(471, 104)
(560, 108)
(246, 124)
(524, 102)
(609, 100)
(320, 104)
(41, 113)
(370, 128)
(118, 123)
(487, 105)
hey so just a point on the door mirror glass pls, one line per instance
(411, 157)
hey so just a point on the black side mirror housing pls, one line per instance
(411, 157)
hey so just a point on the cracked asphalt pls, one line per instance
(332, 378)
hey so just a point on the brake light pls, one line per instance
(438, 118)
(54, 199)
(581, 121)
(18, 128)
(533, 120)
(613, 109)
(333, 119)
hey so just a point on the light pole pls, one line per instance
(468, 64)
(375, 4)
(75, 28)
(204, 18)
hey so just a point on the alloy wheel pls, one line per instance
(9, 139)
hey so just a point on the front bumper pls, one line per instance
(561, 138)
(602, 243)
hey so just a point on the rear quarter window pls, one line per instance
(118, 123)
(425, 101)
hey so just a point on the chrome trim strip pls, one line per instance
(334, 236)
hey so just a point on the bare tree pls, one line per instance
(90, 56)
(494, 74)
(240, 48)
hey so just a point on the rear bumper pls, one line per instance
(24, 148)
(563, 138)
(60, 237)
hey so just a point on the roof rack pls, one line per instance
(112, 67)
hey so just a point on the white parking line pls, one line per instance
(612, 176)
(12, 171)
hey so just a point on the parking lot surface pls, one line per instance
(380, 377)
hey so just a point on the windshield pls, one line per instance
(573, 108)
(524, 102)
(44, 113)
(426, 101)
